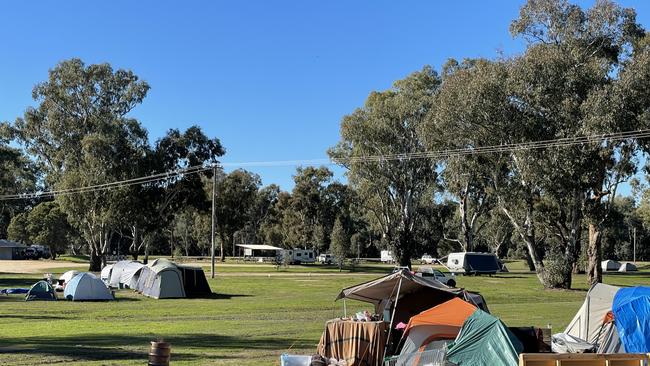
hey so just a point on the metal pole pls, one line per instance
(345, 309)
(214, 194)
(392, 317)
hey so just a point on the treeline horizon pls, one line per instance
(520, 155)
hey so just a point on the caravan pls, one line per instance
(474, 263)
(298, 256)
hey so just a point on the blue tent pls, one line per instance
(631, 309)
(86, 287)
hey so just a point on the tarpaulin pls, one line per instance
(358, 343)
(485, 341)
(632, 313)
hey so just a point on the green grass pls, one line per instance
(250, 320)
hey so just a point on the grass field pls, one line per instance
(256, 314)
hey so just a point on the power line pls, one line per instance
(435, 154)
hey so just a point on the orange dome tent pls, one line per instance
(440, 324)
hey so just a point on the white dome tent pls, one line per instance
(87, 287)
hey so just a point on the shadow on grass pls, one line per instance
(92, 347)
(219, 296)
(31, 317)
(18, 282)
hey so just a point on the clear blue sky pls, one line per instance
(271, 79)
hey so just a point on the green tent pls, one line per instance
(484, 341)
(41, 290)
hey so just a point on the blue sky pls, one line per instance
(271, 79)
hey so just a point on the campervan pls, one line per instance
(299, 256)
(387, 256)
(473, 263)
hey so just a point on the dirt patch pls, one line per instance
(39, 266)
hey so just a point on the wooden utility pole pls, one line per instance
(214, 194)
(634, 246)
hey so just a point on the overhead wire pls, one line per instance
(437, 154)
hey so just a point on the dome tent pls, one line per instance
(610, 265)
(627, 267)
(42, 290)
(67, 276)
(434, 327)
(87, 287)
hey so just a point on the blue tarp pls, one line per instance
(631, 309)
(11, 291)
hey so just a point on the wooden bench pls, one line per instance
(582, 359)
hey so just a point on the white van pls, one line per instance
(299, 256)
(387, 256)
(473, 263)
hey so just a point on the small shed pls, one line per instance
(11, 250)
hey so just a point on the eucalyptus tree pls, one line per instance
(236, 193)
(79, 135)
(582, 74)
(392, 185)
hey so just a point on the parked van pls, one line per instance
(299, 256)
(473, 263)
(326, 259)
(387, 256)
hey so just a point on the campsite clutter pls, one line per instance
(420, 321)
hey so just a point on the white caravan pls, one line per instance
(299, 256)
(387, 256)
(474, 263)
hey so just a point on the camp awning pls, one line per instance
(258, 247)
(386, 287)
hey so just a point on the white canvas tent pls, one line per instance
(105, 275)
(588, 322)
(123, 272)
(161, 280)
(627, 267)
(610, 265)
(67, 276)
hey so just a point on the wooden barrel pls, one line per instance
(159, 354)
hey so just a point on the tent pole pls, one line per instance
(392, 317)
(345, 309)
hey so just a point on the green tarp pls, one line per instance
(484, 341)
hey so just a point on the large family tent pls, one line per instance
(631, 309)
(105, 275)
(610, 265)
(162, 280)
(588, 323)
(87, 287)
(433, 328)
(484, 340)
(627, 267)
(411, 295)
(67, 276)
(42, 290)
(122, 273)
(194, 282)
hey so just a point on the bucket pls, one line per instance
(159, 354)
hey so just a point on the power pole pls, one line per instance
(634, 246)
(214, 194)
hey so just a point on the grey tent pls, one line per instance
(412, 294)
(123, 272)
(42, 290)
(627, 267)
(593, 323)
(162, 280)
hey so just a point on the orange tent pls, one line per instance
(440, 323)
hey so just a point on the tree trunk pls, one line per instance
(222, 254)
(594, 271)
(145, 260)
(95, 260)
(529, 262)
(465, 228)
